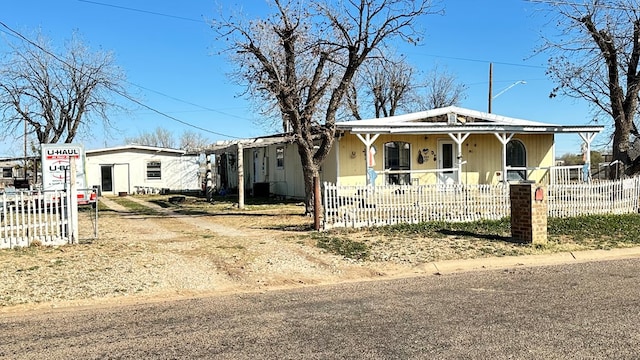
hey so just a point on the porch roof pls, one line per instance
(454, 119)
(257, 142)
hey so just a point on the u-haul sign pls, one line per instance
(56, 168)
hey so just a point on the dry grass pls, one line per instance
(163, 249)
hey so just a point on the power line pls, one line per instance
(148, 89)
(185, 101)
(142, 11)
(431, 55)
(484, 61)
(124, 95)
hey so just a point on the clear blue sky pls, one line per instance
(169, 48)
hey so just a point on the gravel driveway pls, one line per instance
(156, 256)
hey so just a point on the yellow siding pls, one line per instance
(482, 154)
(539, 154)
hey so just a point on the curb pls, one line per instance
(497, 263)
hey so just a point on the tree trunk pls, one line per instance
(309, 171)
(621, 136)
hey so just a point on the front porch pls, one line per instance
(455, 146)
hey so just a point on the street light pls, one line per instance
(503, 91)
(509, 87)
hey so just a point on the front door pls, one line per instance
(106, 178)
(447, 155)
(260, 165)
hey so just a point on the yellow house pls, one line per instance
(446, 145)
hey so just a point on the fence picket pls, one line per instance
(358, 206)
(29, 216)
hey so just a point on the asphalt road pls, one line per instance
(577, 311)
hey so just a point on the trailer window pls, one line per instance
(280, 157)
(154, 170)
(7, 172)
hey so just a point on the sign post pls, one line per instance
(73, 203)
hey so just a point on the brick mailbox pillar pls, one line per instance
(528, 213)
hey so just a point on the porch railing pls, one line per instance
(567, 174)
(546, 175)
(415, 175)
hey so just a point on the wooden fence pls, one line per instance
(28, 217)
(362, 206)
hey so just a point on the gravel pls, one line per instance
(158, 256)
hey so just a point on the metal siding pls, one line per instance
(178, 172)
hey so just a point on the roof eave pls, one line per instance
(551, 129)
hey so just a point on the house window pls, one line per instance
(154, 170)
(7, 172)
(397, 157)
(280, 157)
(516, 157)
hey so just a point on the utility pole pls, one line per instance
(490, 85)
(26, 163)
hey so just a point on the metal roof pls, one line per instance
(454, 119)
(135, 147)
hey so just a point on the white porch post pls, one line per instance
(368, 140)
(504, 139)
(240, 164)
(459, 138)
(587, 137)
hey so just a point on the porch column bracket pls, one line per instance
(504, 139)
(368, 140)
(459, 138)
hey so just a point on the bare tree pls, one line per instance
(193, 141)
(56, 95)
(595, 57)
(160, 137)
(388, 86)
(303, 58)
(384, 83)
(439, 89)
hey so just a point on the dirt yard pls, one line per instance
(148, 252)
(160, 254)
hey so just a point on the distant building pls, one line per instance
(142, 169)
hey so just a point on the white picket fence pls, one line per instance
(597, 197)
(27, 217)
(362, 206)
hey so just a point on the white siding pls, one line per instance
(178, 172)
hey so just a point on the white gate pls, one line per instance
(30, 217)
